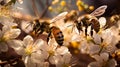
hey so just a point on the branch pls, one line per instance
(46, 9)
(35, 8)
(41, 4)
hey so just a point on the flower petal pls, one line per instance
(94, 64)
(112, 63)
(102, 21)
(28, 40)
(29, 62)
(94, 49)
(67, 58)
(104, 56)
(62, 50)
(12, 33)
(97, 38)
(17, 45)
(37, 57)
(3, 47)
(38, 44)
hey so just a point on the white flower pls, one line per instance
(106, 40)
(6, 35)
(102, 60)
(60, 56)
(33, 52)
(110, 39)
(7, 22)
(86, 44)
(94, 49)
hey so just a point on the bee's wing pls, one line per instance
(99, 11)
(59, 16)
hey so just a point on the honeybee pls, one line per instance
(57, 33)
(44, 26)
(7, 2)
(90, 20)
(116, 56)
(114, 18)
(40, 27)
(112, 21)
(71, 16)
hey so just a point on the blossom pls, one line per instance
(7, 34)
(106, 40)
(60, 56)
(33, 52)
(102, 60)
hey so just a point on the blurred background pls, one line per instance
(49, 8)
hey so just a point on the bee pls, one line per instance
(71, 16)
(112, 20)
(116, 56)
(90, 20)
(40, 27)
(57, 33)
(7, 2)
(44, 26)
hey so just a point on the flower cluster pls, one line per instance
(103, 46)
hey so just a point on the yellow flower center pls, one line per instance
(66, 65)
(29, 50)
(51, 52)
(75, 44)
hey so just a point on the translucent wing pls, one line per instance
(59, 16)
(99, 11)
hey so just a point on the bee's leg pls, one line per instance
(79, 27)
(39, 32)
(91, 32)
(49, 34)
(86, 30)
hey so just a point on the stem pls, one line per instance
(46, 9)
(35, 8)
(42, 5)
